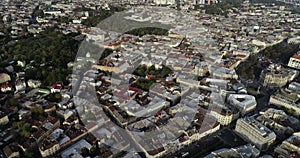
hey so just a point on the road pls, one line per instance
(224, 138)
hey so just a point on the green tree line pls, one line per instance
(46, 55)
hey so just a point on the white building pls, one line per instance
(255, 132)
(134, 109)
(295, 61)
(243, 102)
(223, 73)
(53, 12)
(164, 2)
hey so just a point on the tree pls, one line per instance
(39, 13)
(24, 128)
(37, 113)
(54, 97)
(28, 154)
(148, 30)
(13, 102)
(94, 151)
(50, 47)
(85, 151)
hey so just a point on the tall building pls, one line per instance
(255, 132)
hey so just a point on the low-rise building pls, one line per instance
(201, 69)
(164, 2)
(48, 147)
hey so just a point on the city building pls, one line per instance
(289, 147)
(11, 151)
(288, 100)
(4, 78)
(241, 151)
(245, 103)
(294, 61)
(135, 109)
(48, 147)
(277, 76)
(74, 150)
(278, 121)
(201, 69)
(223, 116)
(164, 2)
(3, 118)
(223, 73)
(294, 86)
(255, 132)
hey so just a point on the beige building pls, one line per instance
(3, 118)
(255, 132)
(4, 78)
(276, 76)
(293, 142)
(223, 116)
(276, 100)
(287, 100)
(48, 147)
(289, 146)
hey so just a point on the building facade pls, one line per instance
(294, 61)
(276, 76)
(255, 132)
(245, 103)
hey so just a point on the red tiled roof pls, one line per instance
(296, 56)
(56, 86)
